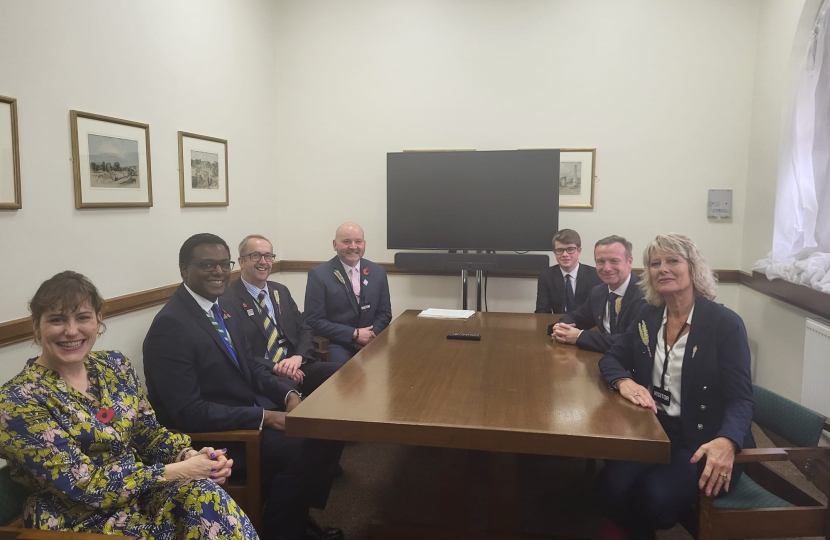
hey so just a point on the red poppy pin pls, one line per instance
(244, 305)
(366, 271)
(225, 315)
(105, 415)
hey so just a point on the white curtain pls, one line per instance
(801, 238)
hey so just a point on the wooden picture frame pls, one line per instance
(203, 176)
(10, 197)
(111, 161)
(577, 177)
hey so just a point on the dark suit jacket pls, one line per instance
(715, 390)
(290, 321)
(330, 305)
(192, 380)
(590, 314)
(550, 292)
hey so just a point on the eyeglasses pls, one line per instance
(256, 256)
(570, 250)
(208, 265)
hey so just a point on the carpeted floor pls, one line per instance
(400, 484)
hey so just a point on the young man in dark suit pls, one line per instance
(202, 376)
(279, 336)
(565, 286)
(611, 306)
(347, 298)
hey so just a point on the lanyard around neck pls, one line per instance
(667, 350)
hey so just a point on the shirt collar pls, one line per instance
(622, 288)
(253, 289)
(203, 302)
(349, 268)
(688, 319)
(572, 273)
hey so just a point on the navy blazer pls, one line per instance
(590, 314)
(192, 380)
(716, 387)
(290, 320)
(550, 290)
(332, 309)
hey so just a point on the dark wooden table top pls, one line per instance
(513, 391)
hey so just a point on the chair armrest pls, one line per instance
(750, 455)
(321, 346)
(240, 435)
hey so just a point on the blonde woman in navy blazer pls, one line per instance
(702, 395)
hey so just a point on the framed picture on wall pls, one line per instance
(577, 177)
(203, 170)
(111, 159)
(9, 156)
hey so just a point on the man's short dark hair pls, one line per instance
(566, 236)
(614, 239)
(186, 252)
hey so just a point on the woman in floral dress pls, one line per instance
(78, 432)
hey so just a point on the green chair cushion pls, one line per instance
(12, 496)
(797, 424)
(748, 494)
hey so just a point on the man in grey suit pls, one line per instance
(347, 298)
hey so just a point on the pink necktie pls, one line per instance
(356, 283)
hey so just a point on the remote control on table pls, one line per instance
(468, 337)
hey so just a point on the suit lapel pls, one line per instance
(203, 321)
(700, 329)
(244, 298)
(600, 301)
(338, 266)
(628, 297)
(652, 319)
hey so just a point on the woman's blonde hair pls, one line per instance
(704, 281)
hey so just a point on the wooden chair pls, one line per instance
(765, 504)
(321, 346)
(247, 491)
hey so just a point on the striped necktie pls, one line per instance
(274, 352)
(216, 320)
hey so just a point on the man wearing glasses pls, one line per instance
(565, 287)
(279, 336)
(202, 376)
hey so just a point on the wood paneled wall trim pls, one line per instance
(800, 296)
(18, 330)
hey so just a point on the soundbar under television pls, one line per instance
(490, 200)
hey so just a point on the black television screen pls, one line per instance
(499, 200)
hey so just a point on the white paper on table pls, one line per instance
(433, 313)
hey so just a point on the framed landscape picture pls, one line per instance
(111, 159)
(9, 156)
(203, 170)
(576, 177)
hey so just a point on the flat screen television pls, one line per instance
(490, 200)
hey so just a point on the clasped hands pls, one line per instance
(565, 333)
(290, 368)
(362, 337)
(206, 463)
(719, 452)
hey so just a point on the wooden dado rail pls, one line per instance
(802, 297)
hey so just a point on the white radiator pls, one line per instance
(815, 384)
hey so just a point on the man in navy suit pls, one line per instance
(278, 333)
(611, 306)
(347, 298)
(565, 286)
(201, 376)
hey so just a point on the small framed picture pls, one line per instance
(203, 170)
(112, 162)
(9, 156)
(576, 177)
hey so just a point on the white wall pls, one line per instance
(200, 66)
(776, 329)
(662, 89)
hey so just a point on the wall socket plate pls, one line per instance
(720, 203)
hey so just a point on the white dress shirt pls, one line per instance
(572, 273)
(349, 269)
(675, 368)
(606, 318)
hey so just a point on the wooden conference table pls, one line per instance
(512, 392)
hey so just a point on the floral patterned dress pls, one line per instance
(85, 474)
